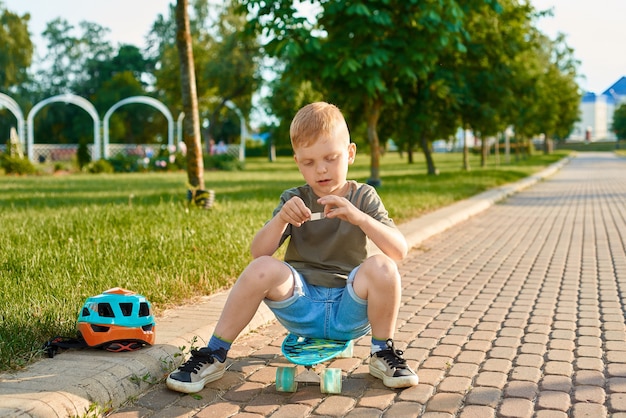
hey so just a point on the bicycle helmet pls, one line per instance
(117, 320)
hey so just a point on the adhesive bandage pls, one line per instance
(317, 216)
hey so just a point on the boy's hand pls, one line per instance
(341, 208)
(295, 212)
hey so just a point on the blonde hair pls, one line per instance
(317, 120)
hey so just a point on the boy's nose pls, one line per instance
(321, 168)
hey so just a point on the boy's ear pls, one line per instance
(351, 152)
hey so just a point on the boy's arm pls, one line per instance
(390, 240)
(267, 240)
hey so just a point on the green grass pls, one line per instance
(65, 238)
(598, 146)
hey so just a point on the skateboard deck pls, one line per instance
(309, 352)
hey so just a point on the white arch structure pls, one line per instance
(138, 99)
(243, 132)
(66, 98)
(9, 103)
(179, 127)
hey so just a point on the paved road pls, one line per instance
(516, 312)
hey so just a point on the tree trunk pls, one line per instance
(466, 164)
(547, 145)
(430, 163)
(409, 145)
(191, 123)
(483, 151)
(373, 115)
(496, 150)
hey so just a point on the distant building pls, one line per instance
(596, 113)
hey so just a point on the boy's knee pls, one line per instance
(264, 260)
(265, 268)
(381, 268)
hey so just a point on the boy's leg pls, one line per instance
(265, 277)
(378, 281)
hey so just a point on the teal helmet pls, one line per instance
(117, 320)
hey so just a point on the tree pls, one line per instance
(80, 60)
(17, 48)
(362, 51)
(232, 68)
(118, 77)
(226, 64)
(619, 122)
(497, 35)
(132, 123)
(286, 98)
(561, 94)
(546, 91)
(191, 124)
(16, 53)
(432, 113)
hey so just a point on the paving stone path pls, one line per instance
(517, 312)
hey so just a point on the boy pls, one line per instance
(327, 287)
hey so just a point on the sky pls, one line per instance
(596, 31)
(129, 21)
(594, 28)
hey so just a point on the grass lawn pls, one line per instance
(65, 238)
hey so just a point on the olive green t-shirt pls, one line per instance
(325, 251)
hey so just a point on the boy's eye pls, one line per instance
(331, 158)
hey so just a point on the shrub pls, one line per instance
(82, 155)
(168, 162)
(123, 163)
(16, 165)
(100, 166)
(224, 162)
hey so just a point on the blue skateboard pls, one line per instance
(309, 352)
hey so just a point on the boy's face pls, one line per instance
(324, 164)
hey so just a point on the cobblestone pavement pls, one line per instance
(517, 312)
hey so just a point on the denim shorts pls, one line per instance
(322, 312)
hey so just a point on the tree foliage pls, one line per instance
(419, 68)
(619, 122)
(226, 62)
(17, 48)
(363, 52)
(412, 70)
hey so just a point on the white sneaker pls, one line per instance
(391, 367)
(204, 366)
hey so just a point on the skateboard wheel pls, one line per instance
(286, 379)
(330, 381)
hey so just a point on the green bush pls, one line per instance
(164, 160)
(225, 162)
(16, 165)
(168, 160)
(100, 166)
(123, 163)
(82, 155)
